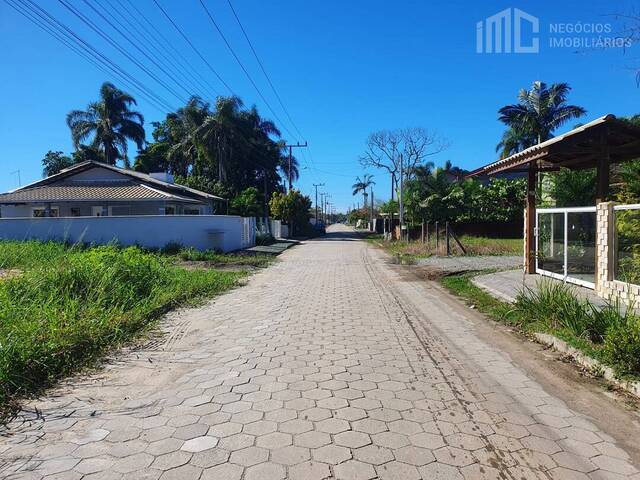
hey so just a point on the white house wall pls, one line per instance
(202, 232)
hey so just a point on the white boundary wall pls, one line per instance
(203, 232)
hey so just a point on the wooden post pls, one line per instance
(437, 239)
(603, 172)
(448, 245)
(530, 222)
(422, 233)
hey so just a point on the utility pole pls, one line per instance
(322, 207)
(291, 146)
(372, 223)
(19, 180)
(400, 199)
(316, 185)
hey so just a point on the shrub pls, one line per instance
(264, 239)
(622, 346)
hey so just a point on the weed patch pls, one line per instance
(70, 304)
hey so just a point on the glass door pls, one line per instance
(566, 244)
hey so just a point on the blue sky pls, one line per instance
(343, 69)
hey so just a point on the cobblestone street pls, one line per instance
(326, 365)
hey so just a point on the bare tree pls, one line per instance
(416, 144)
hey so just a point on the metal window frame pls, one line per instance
(565, 276)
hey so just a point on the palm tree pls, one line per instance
(539, 112)
(362, 185)
(111, 123)
(284, 168)
(514, 141)
(219, 130)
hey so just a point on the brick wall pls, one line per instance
(606, 286)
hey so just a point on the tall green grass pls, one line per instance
(611, 333)
(69, 304)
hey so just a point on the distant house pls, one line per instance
(97, 189)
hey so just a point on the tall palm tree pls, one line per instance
(361, 185)
(111, 123)
(219, 131)
(284, 167)
(539, 112)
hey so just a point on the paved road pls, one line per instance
(327, 365)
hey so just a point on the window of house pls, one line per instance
(75, 212)
(191, 211)
(169, 210)
(39, 212)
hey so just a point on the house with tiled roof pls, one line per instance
(97, 189)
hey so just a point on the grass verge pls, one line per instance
(415, 249)
(609, 334)
(68, 305)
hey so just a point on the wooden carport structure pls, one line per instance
(598, 144)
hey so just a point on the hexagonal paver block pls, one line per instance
(354, 470)
(290, 455)
(171, 460)
(315, 414)
(209, 458)
(185, 472)
(226, 471)
(331, 454)
(274, 440)
(368, 425)
(261, 427)
(373, 454)
(309, 471)
(396, 470)
(351, 413)
(236, 442)
(265, 471)
(295, 426)
(405, 427)
(133, 463)
(249, 456)
(454, 456)
(312, 439)
(333, 425)
(352, 439)
(414, 455)
(390, 439)
(199, 444)
(333, 403)
(225, 429)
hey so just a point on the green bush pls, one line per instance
(56, 316)
(622, 346)
(264, 239)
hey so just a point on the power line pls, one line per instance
(237, 59)
(117, 46)
(190, 91)
(162, 45)
(264, 71)
(168, 17)
(59, 29)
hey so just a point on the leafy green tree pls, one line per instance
(86, 153)
(574, 188)
(53, 162)
(293, 208)
(227, 144)
(110, 122)
(152, 159)
(247, 203)
(540, 110)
